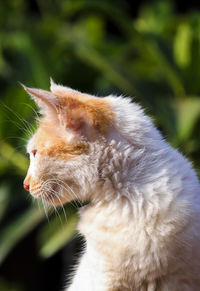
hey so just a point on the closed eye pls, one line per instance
(34, 152)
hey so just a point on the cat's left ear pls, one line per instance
(69, 112)
(46, 100)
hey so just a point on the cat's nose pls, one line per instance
(26, 187)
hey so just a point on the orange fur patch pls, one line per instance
(34, 183)
(48, 141)
(63, 150)
(92, 111)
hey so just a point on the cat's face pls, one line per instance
(63, 162)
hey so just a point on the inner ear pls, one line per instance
(76, 116)
(90, 118)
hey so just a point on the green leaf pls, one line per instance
(22, 42)
(91, 56)
(4, 199)
(188, 113)
(154, 17)
(14, 157)
(182, 45)
(54, 235)
(165, 65)
(12, 233)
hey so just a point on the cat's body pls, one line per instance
(142, 225)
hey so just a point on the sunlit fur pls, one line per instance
(142, 223)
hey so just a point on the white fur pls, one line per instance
(142, 223)
(56, 88)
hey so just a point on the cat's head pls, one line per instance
(64, 156)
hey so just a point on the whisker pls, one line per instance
(74, 203)
(16, 137)
(63, 209)
(38, 203)
(22, 129)
(52, 202)
(24, 122)
(46, 186)
(61, 204)
(56, 211)
(30, 106)
(45, 210)
(35, 189)
(68, 187)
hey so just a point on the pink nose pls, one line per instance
(26, 187)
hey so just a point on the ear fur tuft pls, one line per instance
(61, 90)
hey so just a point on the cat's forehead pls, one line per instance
(39, 140)
(46, 135)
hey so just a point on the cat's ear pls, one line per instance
(70, 113)
(77, 116)
(88, 117)
(76, 110)
(44, 99)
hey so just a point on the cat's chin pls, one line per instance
(55, 196)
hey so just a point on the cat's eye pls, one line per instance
(34, 152)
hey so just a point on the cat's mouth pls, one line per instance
(53, 193)
(50, 193)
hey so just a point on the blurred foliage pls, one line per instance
(96, 47)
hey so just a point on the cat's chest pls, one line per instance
(122, 243)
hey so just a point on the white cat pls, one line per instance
(142, 223)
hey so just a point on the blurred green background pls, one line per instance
(149, 50)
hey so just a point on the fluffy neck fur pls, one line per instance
(138, 223)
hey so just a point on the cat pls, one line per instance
(141, 224)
